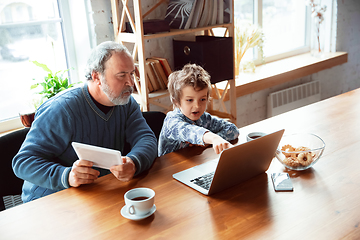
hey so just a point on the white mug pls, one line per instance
(254, 135)
(139, 201)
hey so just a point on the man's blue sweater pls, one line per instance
(46, 156)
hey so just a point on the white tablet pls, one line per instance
(101, 157)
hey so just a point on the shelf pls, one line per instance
(121, 12)
(282, 71)
(131, 37)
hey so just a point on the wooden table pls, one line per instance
(325, 203)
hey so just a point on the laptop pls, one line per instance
(234, 165)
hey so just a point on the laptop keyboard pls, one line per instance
(204, 181)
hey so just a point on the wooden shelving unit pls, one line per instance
(121, 13)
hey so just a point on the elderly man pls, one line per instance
(101, 113)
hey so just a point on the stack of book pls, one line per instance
(185, 14)
(157, 72)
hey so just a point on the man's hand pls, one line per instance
(82, 173)
(124, 172)
(219, 144)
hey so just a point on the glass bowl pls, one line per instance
(300, 151)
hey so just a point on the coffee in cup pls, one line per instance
(139, 201)
(254, 135)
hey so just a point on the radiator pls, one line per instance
(11, 201)
(291, 98)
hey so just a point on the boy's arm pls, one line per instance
(224, 129)
(219, 144)
(178, 130)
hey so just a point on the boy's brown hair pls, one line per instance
(191, 75)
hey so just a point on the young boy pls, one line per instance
(188, 123)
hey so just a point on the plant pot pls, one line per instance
(27, 119)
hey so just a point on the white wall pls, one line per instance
(348, 40)
(252, 108)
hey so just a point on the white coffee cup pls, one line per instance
(254, 135)
(139, 201)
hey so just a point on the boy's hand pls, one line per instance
(219, 144)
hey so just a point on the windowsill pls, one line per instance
(10, 125)
(282, 71)
(9, 131)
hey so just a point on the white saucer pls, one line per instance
(125, 214)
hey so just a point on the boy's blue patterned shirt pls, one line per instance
(178, 131)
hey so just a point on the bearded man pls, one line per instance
(102, 113)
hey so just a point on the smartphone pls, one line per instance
(282, 182)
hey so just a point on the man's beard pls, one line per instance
(117, 100)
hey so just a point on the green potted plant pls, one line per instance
(53, 83)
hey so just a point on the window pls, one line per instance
(29, 30)
(38, 30)
(284, 24)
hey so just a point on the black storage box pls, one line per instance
(214, 54)
(151, 26)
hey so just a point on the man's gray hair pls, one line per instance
(100, 55)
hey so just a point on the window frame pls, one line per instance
(72, 23)
(258, 5)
